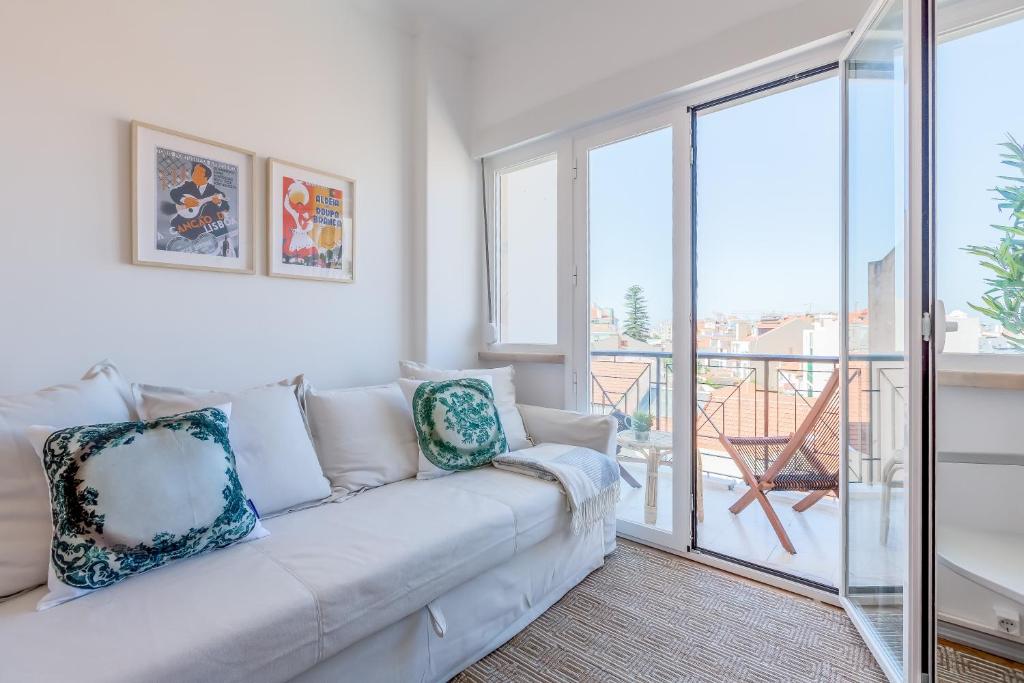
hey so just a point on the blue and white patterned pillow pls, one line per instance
(457, 424)
(128, 497)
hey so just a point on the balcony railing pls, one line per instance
(758, 395)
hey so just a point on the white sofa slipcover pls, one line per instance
(474, 556)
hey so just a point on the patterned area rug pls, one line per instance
(650, 616)
(962, 665)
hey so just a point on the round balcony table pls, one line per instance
(652, 449)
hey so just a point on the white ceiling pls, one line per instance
(475, 23)
(467, 19)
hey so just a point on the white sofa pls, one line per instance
(411, 581)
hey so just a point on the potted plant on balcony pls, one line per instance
(1004, 300)
(641, 423)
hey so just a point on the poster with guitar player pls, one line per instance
(311, 222)
(193, 202)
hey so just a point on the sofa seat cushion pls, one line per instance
(538, 507)
(325, 578)
(381, 555)
(233, 615)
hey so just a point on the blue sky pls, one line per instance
(979, 100)
(631, 222)
(768, 191)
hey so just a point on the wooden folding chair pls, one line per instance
(806, 460)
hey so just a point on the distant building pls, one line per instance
(967, 336)
(782, 335)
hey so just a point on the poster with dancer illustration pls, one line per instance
(192, 202)
(310, 229)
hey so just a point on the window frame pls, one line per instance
(559, 149)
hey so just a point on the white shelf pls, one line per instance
(990, 559)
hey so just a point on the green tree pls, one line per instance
(1004, 300)
(638, 322)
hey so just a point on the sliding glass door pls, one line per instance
(887, 329)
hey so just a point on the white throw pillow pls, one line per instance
(101, 396)
(276, 460)
(425, 468)
(364, 437)
(128, 497)
(503, 383)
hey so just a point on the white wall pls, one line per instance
(557, 65)
(317, 82)
(448, 290)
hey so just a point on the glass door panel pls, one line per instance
(767, 257)
(628, 205)
(980, 193)
(886, 293)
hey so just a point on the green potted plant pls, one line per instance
(1004, 300)
(641, 423)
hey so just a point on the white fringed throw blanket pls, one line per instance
(590, 479)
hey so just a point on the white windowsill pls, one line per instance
(981, 371)
(522, 357)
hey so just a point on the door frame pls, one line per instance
(666, 116)
(792, 79)
(675, 106)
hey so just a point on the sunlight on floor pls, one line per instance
(815, 533)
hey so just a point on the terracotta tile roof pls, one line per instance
(615, 378)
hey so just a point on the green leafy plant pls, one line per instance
(642, 421)
(1004, 300)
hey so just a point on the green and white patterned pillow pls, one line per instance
(457, 424)
(128, 497)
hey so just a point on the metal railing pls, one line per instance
(656, 400)
(750, 394)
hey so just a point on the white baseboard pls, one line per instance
(980, 638)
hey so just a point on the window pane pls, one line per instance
(980, 180)
(528, 266)
(629, 197)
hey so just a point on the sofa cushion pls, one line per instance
(364, 436)
(324, 579)
(376, 557)
(25, 526)
(503, 382)
(233, 615)
(276, 459)
(539, 507)
(129, 497)
(425, 469)
(457, 423)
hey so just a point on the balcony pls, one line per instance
(757, 395)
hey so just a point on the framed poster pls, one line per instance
(192, 202)
(310, 223)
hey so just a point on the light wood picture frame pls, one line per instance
(193, 202)
(311, 223)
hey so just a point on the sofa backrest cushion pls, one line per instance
(128, 497)
(503, 383)
(276, 459)
(364, 436)
(25, 526)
